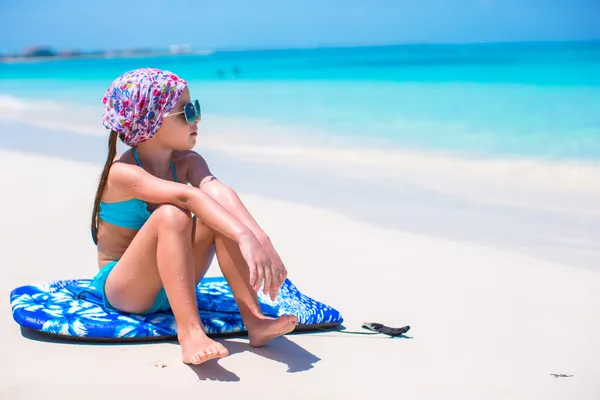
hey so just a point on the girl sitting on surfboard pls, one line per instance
(160, 216)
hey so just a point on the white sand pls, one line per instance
(486, 323)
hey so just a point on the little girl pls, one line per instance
(160, 216)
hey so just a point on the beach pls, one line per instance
(452, 188)
(499, 296)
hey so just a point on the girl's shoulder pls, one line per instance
(180, 157)
(189, 159)
(193, 166)
(186, 156)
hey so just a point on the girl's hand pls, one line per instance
(257, 259)
(278, 270)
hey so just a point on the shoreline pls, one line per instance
(255, 135)
(498, 207)
(254, 142)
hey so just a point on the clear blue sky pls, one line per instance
(108, 24)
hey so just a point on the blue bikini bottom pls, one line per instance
(161, 303)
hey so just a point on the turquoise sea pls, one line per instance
(532, 100)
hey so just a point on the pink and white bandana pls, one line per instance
(136, 102)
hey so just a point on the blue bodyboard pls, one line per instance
(74, 309)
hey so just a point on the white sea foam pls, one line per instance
(53, 115)
(11, 103)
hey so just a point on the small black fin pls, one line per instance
(386, 330)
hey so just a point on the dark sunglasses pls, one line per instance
(191, 111)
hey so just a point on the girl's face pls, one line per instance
(175, 132)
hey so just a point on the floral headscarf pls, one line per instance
(136, 102)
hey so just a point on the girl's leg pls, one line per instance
(159, 256)
(203, 250)
(261, 329)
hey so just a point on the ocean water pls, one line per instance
(503, 100)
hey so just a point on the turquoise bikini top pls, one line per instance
(129, 213)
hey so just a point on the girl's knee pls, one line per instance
(171, 216)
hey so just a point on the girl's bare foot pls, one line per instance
(264, 330)
(197, 348)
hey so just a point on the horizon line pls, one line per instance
(300, 47)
